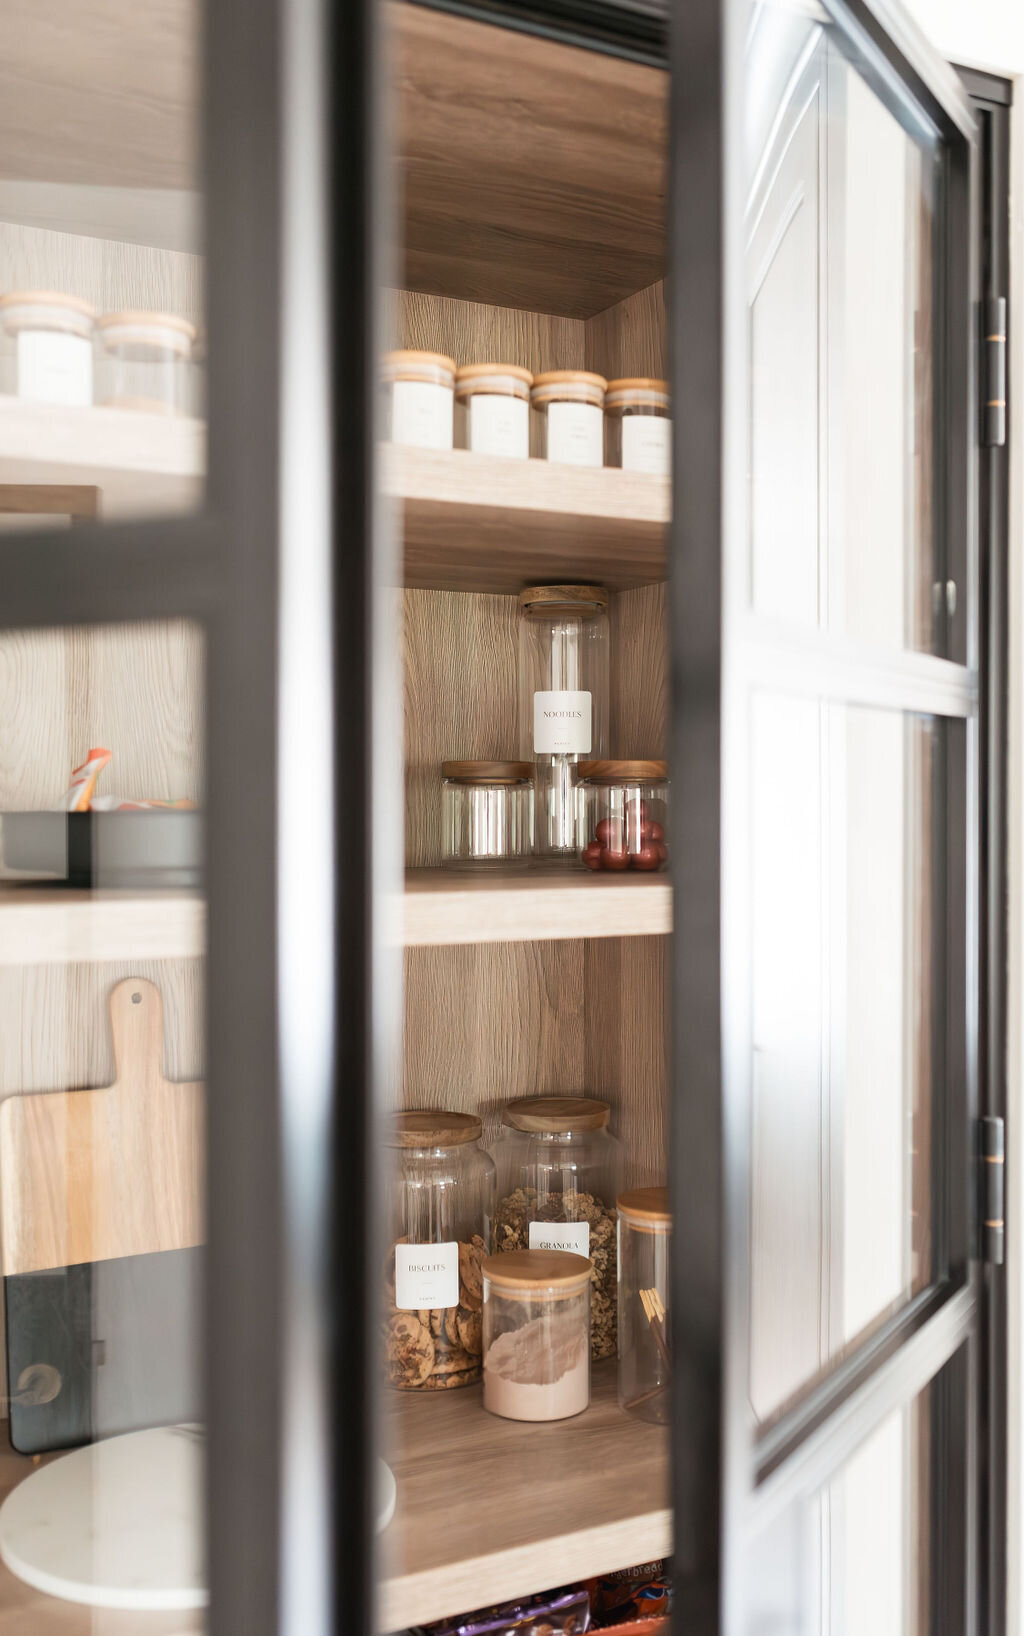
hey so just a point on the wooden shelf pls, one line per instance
(489, 1509)
(142, 464)
(476, 522)
(527, 905)
(51, 926)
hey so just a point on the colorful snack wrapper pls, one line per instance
(553, 1613)
(83, 780)
(643, 1592)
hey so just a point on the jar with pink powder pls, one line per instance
(536, 1334)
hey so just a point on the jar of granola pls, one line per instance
(559, 1172)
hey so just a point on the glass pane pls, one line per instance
(841, 270)
(102, 337)
(102, 1130)
(847, 838)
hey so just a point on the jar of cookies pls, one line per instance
(559, 1172)
(439, 1207)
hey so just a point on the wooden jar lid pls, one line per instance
(156, 320)
(553, 1114)
(409, 365)
(634, 390)
(569, 386)
(47, 298)
(646, 1206)
(488, 772)
(580, 598)
(423, 1127)
(483, 378)
(623, 772)
(537, 1270)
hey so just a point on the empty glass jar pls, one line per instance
(536, 1335)
(439, 1203)
(494, 409)
(419, 398)
(47, 350)
(559, 1172)
(622, 814)
(145, 361)
(563, 701)
(638, 425)
(572, 404)
(486, 813)
(645, 1356)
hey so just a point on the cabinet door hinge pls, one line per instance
(993, 419)
(992, 1164)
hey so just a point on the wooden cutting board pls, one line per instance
(101, 1212)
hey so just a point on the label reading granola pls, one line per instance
(426, 1275)
(561, 1235)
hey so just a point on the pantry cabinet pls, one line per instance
(249, 614)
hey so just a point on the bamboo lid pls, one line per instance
(410, 365)
(623, 772)
(647, 1206)
(578, 597)
(570, 386)
(488, 772)
(637, 390)
(150, 320)
(472, 378)
(537, 1270)
(423, 1127)
(553, 1114)
(47, 298)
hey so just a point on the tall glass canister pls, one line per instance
(563, 701)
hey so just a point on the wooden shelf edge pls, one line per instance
(441, 908)
(51, 927)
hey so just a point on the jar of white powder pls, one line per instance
(536, 1334)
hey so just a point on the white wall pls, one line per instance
(978, 33)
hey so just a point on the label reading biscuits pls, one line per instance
(426, 1275)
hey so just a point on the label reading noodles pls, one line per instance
(426, 1275)
(561, 1235)
(561, 724)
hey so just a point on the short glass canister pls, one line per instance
(563, 701)
(536, 1334)
(439, 1204)
(486, 813)
(645, 1357)
(559, 1171)
(622, 814)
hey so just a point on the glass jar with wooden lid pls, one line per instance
(638, 425)
(47, 347)
(439, 1203)
(645, 1356)
(486, 813)
(622, 814)
(144, 363)
(419, 398)
(572, 404)
(493, 409)
(559, 1172)
(536, 1334)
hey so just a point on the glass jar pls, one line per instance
(145, 362)
(47, 346)
(440, 1199)
(622, 814)
(536, 1334)
(494, 409)
(645, 1359)
(559, 1172)
(487, 813)
(638, 425)
(572, 404)
(419, 398)
(563, 701)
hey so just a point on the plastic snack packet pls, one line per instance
(553, 1613)
(83, 780)
(639, 1593)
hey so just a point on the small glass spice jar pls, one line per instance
(536, 1334)
(622, 814)
(638, 425)
(48, 346)
(645, 1355)
(439, 1203)
(145, 361)
(563, 701)
(572, 402)
(559, 1173)
(494, 409)
(419, 398)
(486, 813)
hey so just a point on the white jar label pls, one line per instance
(561, 1235)
(54, 368)
(576, 434)
(561, 724)
(647, 444)
(422, 413)
(426, 1275)
(499, 425)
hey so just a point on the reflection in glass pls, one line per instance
(840, 269)
(845, 833)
